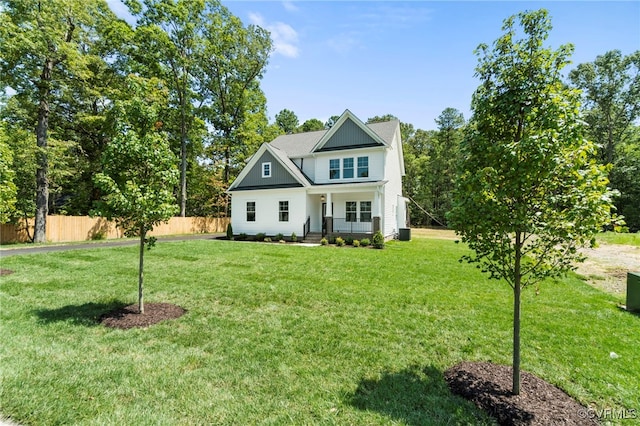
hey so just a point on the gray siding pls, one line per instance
(349, 135)
(280, 177)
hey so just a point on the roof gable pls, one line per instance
(348, 132)
(284, 174)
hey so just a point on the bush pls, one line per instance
(356, 243)
(324, 242)
(279, 237)
(348, 241)
(294, 237)
(378, 240)
(242, 236)
(229, 232)
(260, 236)
(365, 242)
(332, 240)
(267, 240)
(339, 242)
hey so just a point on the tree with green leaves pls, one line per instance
(287, 120)
(43, 46)
(233, 63)
(139, 169)
(529, 193)
(312, 125)
(8, 188)
(611, 103)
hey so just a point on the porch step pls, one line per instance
(313, 237)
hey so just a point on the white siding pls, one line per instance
(376, 165)
(267, 211)
(393, 189)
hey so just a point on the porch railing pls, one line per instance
(357, 227)
(306, 227)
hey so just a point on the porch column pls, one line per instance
(377, 215)
(329, 214)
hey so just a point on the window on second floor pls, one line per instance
(334, 169)
(363, 167)
(266, 170)
(283, 211)
(347, 168)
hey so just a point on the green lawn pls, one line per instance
(282, 334)
(620, 238)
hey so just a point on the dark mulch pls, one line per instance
(5, 272)
(488, 386)
(129, 317)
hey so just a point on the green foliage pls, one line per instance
(324, 241)
(365, 242)
(294, 237)
(287, 121)
(356, 243)
(229, 231)
(378, 240)
(242, 236)
(529, 193)
(8, 189)
(260, 236)
(279, 236)
(311, 125)
(139, 169)
(348, 241)
(339, 241)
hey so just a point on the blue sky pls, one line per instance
(411, 59)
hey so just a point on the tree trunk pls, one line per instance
(42, 166)
(183, 176)
(516, 317)
(141, 272)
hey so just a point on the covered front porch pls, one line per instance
(345, 210)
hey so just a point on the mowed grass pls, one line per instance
(620, 238)
(282, 334)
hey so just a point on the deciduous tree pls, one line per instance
(139, 170)
(529, 193)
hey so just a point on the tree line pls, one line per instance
(67, 64)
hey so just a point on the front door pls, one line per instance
(324, 218)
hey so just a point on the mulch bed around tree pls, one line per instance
(488, 386)
(129, 317)
(5, 271)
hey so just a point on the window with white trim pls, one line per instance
(334, 169)
(266, 169)
(283, 211)
(351, 211)
(251, 211)
(363, 167)
(347, 168)
(365, 211)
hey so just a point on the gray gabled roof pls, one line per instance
(301, 144)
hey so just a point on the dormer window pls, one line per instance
(266, 170)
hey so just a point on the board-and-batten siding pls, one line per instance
(349, 135)
(280, 176)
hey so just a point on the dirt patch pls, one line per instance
(5, 272)
(129, 317)
(488, 386)
(607, 265)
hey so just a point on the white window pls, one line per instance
(251, 211)
(352, 213)
(347, 168)
(266, 170)
(334, 169)
(284, 211)
(363, 167)
(365, 211)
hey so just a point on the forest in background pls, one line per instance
(65, 64)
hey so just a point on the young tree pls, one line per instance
(287, 120)
(139, 170)
(529, 194)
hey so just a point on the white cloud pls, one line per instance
(285, 38)
(290, 6)
(345, 42)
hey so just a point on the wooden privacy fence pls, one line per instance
(83, 228)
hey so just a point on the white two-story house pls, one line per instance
(343, 181)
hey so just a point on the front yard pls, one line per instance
(284, 334)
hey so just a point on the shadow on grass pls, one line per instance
(87, 314)
(416, 396)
